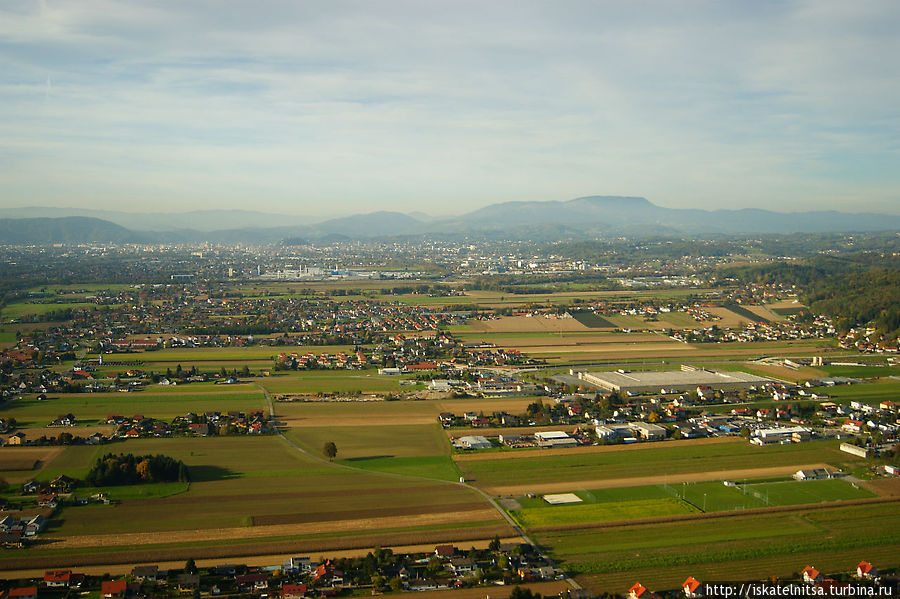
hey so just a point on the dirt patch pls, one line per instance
(531, 453)
(886, 487)
(26, 458)
(639, 481)
(260, 532)
(277, 519)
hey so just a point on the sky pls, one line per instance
(337, 107)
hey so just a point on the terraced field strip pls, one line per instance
(256, 532)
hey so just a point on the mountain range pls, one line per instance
(585, 217)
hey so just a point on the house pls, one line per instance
(866, 570)
(57, 579)
(293, 591)
(445, 550)
(690, 587)
(62, 483)
(462, 565)
(11, 540)
(811, 575)
(298, 564)
(16, 439)
(188, 583)
(256, 582)
(145, 573)
(50, 500)
(34, 526)
(113, 589)
(22, 593)
(31, 487)
(815, 474)
(637, 590)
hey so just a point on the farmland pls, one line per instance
(500, 474)
(395, 480)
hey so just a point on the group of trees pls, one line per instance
(854, 291)
(128, 469)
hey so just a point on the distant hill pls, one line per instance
(609, 215)
(586, 217)
(195, 220)
(71, 229)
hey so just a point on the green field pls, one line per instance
(861, 371)
(95, 407)
(22, 309)
(384, 441)
(600, 512)
(438, 467)
(747, 547)
(331, 381)
(657, 460)
(245, 478)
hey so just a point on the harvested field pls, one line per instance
(258, 532)
(765, 313)
(305, 518)
(527, 324)
(26, 458)
(561, 487)
(886, 487)
(727, 318)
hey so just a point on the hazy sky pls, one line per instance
(335, 107)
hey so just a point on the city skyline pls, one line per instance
(328, 110)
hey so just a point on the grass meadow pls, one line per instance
(657, 461)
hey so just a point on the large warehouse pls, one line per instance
(656, 381)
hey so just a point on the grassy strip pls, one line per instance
(719, 556)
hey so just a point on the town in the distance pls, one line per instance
(463, 416)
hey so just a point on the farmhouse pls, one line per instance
(671, 381)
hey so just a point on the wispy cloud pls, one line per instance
(411, 105)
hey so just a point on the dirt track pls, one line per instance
(257, 532)
(561, 487)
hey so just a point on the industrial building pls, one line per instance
(671, 381)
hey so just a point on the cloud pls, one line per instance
(410, 105)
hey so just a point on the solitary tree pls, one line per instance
(330, 450)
